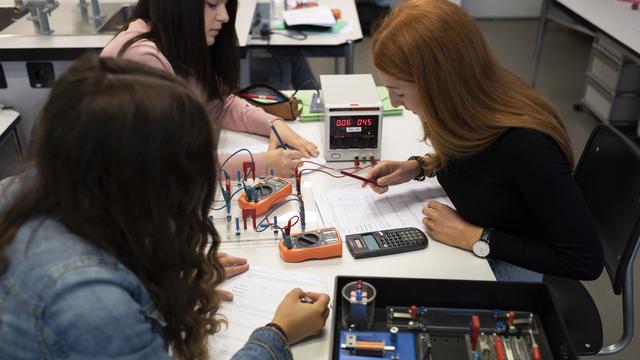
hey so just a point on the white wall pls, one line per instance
(502, 8)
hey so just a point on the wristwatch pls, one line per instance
(481, 247)
(421, 176)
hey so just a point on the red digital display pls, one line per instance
(354, 122)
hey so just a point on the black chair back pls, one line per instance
(608, 173)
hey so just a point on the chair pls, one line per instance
(608, 174)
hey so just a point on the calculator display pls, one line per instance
(370, 241)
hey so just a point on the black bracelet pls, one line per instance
(279, 329)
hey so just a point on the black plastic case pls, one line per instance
(464, 294)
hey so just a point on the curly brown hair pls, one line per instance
(124, 158)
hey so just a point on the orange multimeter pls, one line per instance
(315, 244)
(265, 193)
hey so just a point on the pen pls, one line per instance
(306, 299)
(359, 177)
(275, 132)
(262, 97)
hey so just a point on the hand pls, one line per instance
(445, 225)
(232, 266)
(299, 319)
(291, 138)
(391, 173)
(283, 162)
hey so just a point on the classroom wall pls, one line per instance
(503, 8)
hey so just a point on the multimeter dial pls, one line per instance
(263, 190)
(307, 239)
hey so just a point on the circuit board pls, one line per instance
(264, 233)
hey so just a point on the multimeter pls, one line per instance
(315, 244)
(264, 194)
(352, 117)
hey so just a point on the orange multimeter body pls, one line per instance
(315, 244)
(269, 191)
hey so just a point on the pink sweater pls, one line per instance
(234, 113)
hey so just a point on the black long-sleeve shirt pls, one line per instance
(522, 187)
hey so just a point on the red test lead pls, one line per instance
(358, 177)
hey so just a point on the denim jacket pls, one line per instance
(62, 298)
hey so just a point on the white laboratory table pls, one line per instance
(340, 44)
(401, 139)
(613, 17)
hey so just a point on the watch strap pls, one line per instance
(421, 176)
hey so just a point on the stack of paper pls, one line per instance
(315, 16)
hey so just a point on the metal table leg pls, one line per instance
(348, 58)
(538, 47)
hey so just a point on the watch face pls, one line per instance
(481, 248)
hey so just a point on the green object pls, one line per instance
(306, 95)
(339, 25)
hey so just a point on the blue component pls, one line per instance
(237, 226)
(500, 325)
(476, 355)
(273, 172)
(228, 210)
(406, 345)
(287, 241)
(264, 226)
(496, 313)
(262, 177)
(254, 195)
(359, 295)
(303, 222)
(358, 316)
(371, 242)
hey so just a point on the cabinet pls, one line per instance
(10, 147)
(612, 85)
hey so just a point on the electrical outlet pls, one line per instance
(41, 74)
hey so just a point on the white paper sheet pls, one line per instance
(256, 296)
(354, 211)
(317, 15)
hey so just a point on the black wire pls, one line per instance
(291, 34)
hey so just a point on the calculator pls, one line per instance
(386, 242)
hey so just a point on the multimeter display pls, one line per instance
(355, 131)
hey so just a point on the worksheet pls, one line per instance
(354, 211)
(256, 296)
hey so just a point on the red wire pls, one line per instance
(322, 171)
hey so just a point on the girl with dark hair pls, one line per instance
(501, 151)
(105, 246)
(196, 40)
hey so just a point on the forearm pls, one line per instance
(578, 260)
(265, 343)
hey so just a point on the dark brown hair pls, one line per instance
(177, 28)
(467, 98)
(134, 175)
